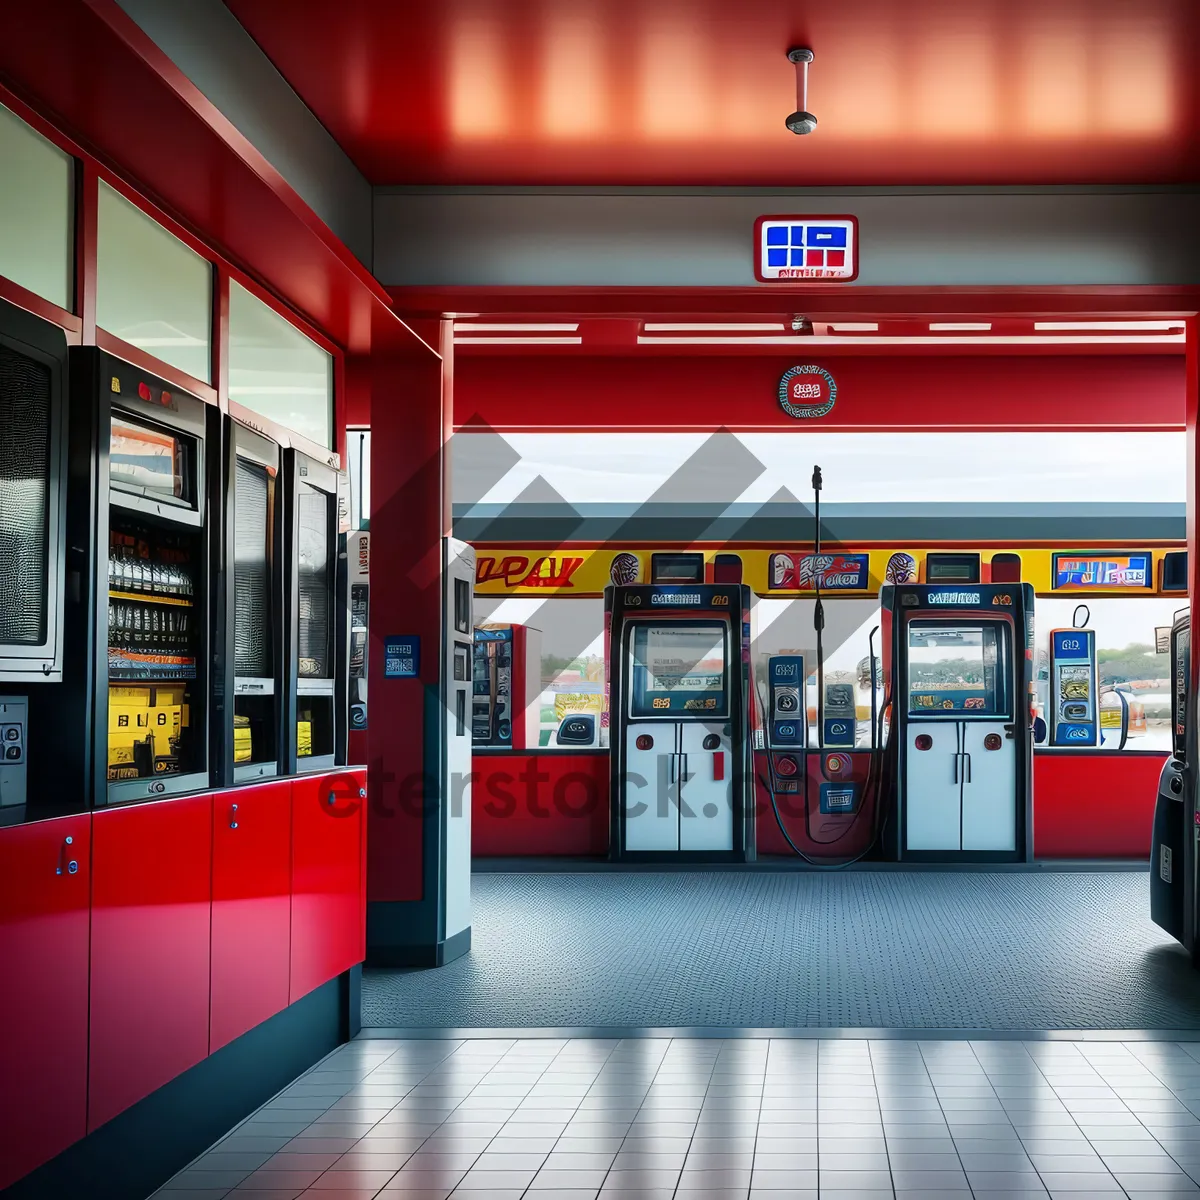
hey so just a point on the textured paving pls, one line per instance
(778, 949)
(746, 1119)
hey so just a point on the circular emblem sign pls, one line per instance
(807, 392)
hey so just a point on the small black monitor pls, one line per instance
(677, 568)
(952, 568)
(1175, 571)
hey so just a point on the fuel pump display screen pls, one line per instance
(958, 669)
(679, 669)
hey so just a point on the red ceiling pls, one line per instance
(695, 92)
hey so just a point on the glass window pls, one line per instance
(1131, 674)
(37, 240)
(152, 291)
(313, 584)
(253, 609)
(678, 668)
(785, 626)
(572, 656)
(958, 669)
(358, 456)
(26, 398)
(276, 371)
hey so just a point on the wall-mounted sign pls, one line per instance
(835, 572)
(528, 570)
(805, 249)
(1074, 572)
(807, 392)
(401, 657)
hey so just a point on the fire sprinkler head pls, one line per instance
(801, 121)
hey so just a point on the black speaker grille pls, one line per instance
(252, 627)
(25, 400)
(315, 602)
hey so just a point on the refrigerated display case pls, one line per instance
(318, 625)
(33, 368)
(151, 458)
(253, 595)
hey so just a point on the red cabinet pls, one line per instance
(251, 907)
(151, 907)
(44, 997)
(327, 914)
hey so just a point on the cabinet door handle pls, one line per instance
(956, 758)
(66, 866)
(967, 765)
(233, 821)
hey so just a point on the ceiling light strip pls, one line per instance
(959, 326)
(1115, 326)
(714, 327)
(994, 340)
(524, 327)
(517, 341)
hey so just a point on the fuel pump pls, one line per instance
(787, 721)
(1073, 717)
(787, 739)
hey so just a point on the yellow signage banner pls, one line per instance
(785, 571)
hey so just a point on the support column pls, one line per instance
(1192, 742)
(407, 873)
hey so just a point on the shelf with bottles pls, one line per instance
(150, 566)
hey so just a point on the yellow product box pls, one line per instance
(243, 747)
(303, 739)
(165, 722)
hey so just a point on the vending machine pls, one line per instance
(959, 664)
(506, 699)
(146, 459)
(678, 680)
(1073, 717)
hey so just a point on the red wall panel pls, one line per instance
(873, 392)
(44, 997)
(327, 908)
(251, 908)
(1085, 806)
(1097, 805)
(151, 909)
(552, 804)
(830, 836)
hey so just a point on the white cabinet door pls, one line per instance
(932, 791)
(650, 787)
(989, 794)
(706, 793)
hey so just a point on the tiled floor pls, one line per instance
(693, 1117)
(970, 950)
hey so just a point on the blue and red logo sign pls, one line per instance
(805, 249)
(807, 392)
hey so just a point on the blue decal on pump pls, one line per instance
(839, 797)
(1073, 643)
(401, 657)
(1078, 735)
